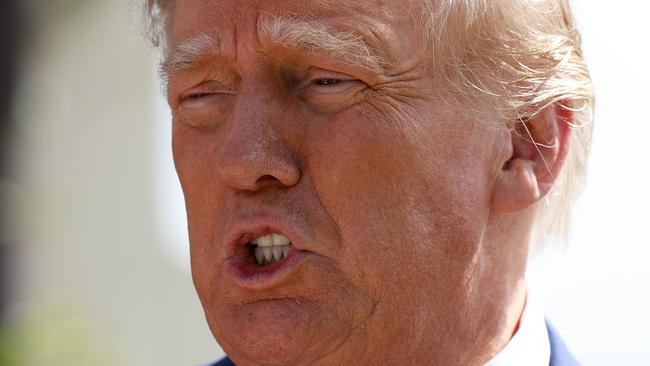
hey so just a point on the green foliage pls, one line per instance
(55, 336)
(8, 356)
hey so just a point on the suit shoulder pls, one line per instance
(223, 362)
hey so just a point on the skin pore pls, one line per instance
(414, 219)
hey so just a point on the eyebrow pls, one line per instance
(190, 54)
(290, 31)
(320, 39)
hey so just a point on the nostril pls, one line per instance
(267, 179)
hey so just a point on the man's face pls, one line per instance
(382, 188)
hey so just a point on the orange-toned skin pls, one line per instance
(415, 219)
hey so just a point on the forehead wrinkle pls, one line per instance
(190, 53)
(317, 38)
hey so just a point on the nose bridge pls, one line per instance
(254, 154)
(257, 100)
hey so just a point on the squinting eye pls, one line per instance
(326, 82)
(196, 96)
(210, 93)
(201, 100)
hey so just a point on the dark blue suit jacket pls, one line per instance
(560, 355)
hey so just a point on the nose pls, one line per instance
(255, 155)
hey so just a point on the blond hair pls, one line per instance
(513, 58)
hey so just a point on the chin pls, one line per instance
(275, 332)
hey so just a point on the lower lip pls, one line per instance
(247, 274)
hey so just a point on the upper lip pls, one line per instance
(245, 230)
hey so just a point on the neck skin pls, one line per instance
(496, 297)
(500, 292)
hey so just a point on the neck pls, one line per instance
(500, 294)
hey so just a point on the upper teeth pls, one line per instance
(271, 240)
(271, 249)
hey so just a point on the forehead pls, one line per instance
(381, 19)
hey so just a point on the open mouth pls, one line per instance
(261, 258)
(270, 249)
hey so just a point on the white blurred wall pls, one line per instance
(598, 291)
(95, 285)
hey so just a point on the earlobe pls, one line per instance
(539, 147)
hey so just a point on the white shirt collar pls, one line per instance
(530, 345)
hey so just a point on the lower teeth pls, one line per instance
(271, 255)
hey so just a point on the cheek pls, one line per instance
(407, 207)
(195, 154)
(194, 161)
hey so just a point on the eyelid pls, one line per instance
(316, 73)
(209, 94)
(207, 87)
(345, 82)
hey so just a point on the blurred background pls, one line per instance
(93, 249)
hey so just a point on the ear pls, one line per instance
(539, 147)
